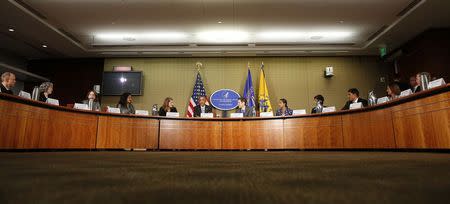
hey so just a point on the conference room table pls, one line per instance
(418, 121)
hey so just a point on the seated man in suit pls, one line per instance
(353, 97)
(202, 107)
(244, 109)
(8, 82)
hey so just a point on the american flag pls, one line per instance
(199, 90)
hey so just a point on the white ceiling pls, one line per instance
(84, 28)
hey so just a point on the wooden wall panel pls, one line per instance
(253, 134)
(187, 134)
(423, 124)
(368, 129)
(127, 132)
(31, 127)
(313, 133)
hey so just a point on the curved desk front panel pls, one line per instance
(419, 121)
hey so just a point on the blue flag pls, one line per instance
(249, 92)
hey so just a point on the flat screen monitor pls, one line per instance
(117, 83)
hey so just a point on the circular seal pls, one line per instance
(225, 99)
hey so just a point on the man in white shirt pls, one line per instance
(353, 97)
(202, 107)
(8, 82)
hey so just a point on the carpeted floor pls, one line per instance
(224, 177)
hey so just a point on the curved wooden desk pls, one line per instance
(419, 121)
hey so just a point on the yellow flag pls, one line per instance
(264, 101)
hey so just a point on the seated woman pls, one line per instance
(45, 89)
(92, 101)
(168, 106)
(393, 91)
(283, 109)
(126, 104)
(318, 99)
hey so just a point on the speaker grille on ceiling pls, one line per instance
(378, 32)
(408, 8)
(31, 9)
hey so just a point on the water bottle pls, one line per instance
(35, 94)
(424, 81)
(155, 110)
(372, 99)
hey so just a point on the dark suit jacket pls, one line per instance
(129, 109)
(4, 90)
(95, 106)
(360, 100)
(314, 110)
(198, 110)
(247, 113)
(163, 112)
(42, 97)
(419, 89)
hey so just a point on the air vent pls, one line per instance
(408, 8)
(31, 9)
(379, 31)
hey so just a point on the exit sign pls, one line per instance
(383, 51)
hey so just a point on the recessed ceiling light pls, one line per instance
(219, 22)
(44, 46)
(11, 30)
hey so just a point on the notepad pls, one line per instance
(81, 106)
(24, 94)
(436, 83)
(299, 112)
(141, 112)
(382, 100)
(173, 114)
(236, 115)
(266, 114)
(406, 92)
(206, 115)
(52, 101)
(113, 110)
(328, 109)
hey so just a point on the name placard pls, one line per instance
(113, 110)
(207, 115)
(173, 114)
(266, 114)
(328, 109)
(382, 100)
(355, 106)
(299, 112)
(406, 92)
(24, 94)
(80, 106)
(141, 112)
(236, 115)
(436, 83)
(53, 101)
